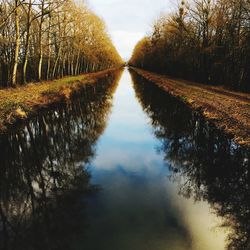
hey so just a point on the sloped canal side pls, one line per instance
(228, 110)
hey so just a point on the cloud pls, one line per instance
(129, 20)
(125, 41)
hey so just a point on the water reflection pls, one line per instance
(138, 207)
(207, 165)
(43, 174)
(135, 209)
(67, 184)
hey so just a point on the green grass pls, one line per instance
(20, 102)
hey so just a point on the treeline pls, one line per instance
(205, 40)
(45, 39)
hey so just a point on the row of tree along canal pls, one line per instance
(42, 40)
(206, 41)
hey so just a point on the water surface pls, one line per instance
(124, 166)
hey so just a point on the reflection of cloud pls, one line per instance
(135, 213)
(145, 210)
(131, 160)
(202, 223)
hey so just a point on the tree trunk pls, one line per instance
(17, 45)
(27, 44)
(49, 52)
(40, 44)
(56, 62)
(77, 62)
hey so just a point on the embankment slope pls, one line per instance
(227, 110)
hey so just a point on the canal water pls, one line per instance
(124, 166)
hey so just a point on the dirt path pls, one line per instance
(228, 110)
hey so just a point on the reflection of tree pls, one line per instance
(43, 178)
(208, 165)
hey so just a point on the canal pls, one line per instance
(123, 166)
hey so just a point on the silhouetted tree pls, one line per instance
(43, 39)
(205, 40)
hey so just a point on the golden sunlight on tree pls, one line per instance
(204, 40)
(44, 39)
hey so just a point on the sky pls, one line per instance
(129, 20)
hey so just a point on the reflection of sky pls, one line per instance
(138, 207)
(127, 137)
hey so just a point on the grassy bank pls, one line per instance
(25, 101)
(228, 110)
